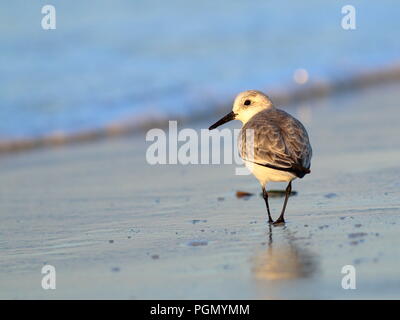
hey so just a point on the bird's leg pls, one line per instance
(288, 192)
(265, 196)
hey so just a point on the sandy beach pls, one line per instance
(115, 227)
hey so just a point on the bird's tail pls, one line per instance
(300, 171)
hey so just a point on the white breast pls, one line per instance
(265, 175)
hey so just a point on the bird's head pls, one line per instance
(245, 106)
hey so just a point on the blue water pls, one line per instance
(111, 61)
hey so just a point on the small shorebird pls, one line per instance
(273, 145)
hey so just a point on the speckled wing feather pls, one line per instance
(280, 141)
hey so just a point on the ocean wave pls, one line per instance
(290, 94)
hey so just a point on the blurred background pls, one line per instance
(109, 62)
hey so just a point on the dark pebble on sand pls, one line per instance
(115, 269)
(357, 235)
(358, 225)
(155, 256)
(331, 195)
(194, 221)
(197, 243)
(110, 241)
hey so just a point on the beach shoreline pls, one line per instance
(292, 95)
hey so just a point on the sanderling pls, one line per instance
(279, 149)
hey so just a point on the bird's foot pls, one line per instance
(279, 222)
(270, 221)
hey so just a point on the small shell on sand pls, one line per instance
(243, 194)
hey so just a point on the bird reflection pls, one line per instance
(283, 259)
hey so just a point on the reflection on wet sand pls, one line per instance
(284, 259)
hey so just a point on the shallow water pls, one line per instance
(112, 61)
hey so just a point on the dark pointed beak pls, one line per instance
(229, 117)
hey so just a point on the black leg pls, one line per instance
(288, 192)
(265, 196)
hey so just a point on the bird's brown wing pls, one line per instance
(279, 141)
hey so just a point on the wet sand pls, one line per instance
(115, 227)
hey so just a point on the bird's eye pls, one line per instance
(247, 102)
